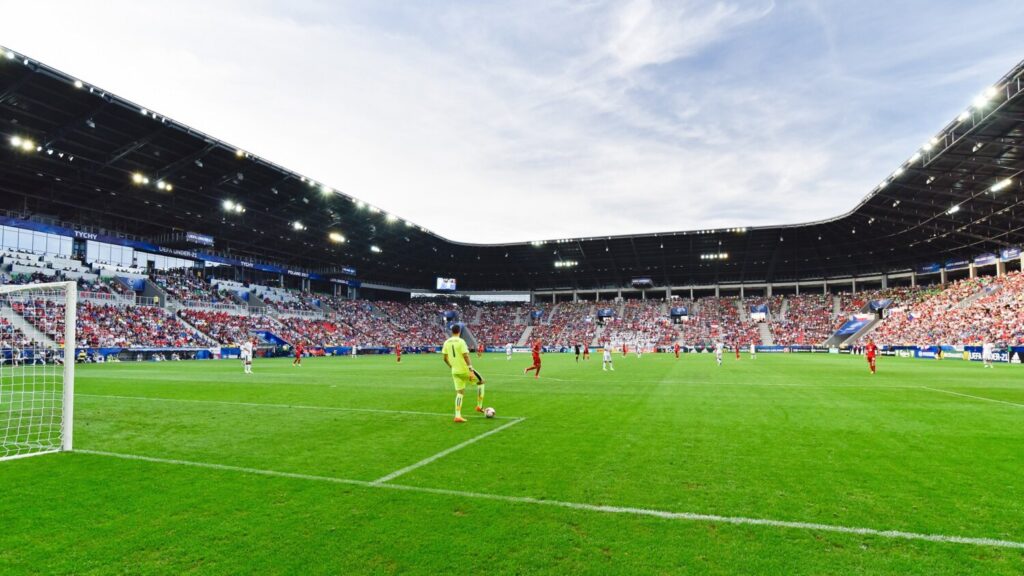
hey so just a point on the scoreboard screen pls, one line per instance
(446, 284)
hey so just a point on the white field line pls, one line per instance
(974, 397)
(267, 405)
(685, 516)
(444, 453)
(29, 455)
(706, 384)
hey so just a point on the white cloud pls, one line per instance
(515, 122)
(648, 32)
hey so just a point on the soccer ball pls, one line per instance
(489, 412)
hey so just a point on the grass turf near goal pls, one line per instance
(785, 438)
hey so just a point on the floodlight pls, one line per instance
(1001, 184)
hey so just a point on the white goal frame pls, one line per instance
(67, 424)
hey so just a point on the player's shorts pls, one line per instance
(461, 380)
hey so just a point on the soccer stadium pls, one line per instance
(211, 363)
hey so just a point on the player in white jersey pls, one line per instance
(753, 351)
(718, 352)
(606, 363)
(508, 351)
(987, 352)
(247, 356)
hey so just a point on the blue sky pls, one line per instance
(513, 121)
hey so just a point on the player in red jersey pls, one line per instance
(586, 351)
(737, 347)
(676, 349)
(398, 353)
(870, 351)
(299, 349)
(479, 349)
(625, 348)
(536, 360)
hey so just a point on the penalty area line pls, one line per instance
(443, 453)
(974, 397)
(663, 514)
(268, 405)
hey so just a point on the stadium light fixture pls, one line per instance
(963, 116)
(1001, 185)
(360, 204)
(391, 218)
(336, 237)
(915, 157)
(374, 209)
(144, 112)
(896, 173)
(78, 84)
(982, 99)
(326, 189)
(409, 224)
(953, 209)
(239, 153)
(138, 178)
(24, 144)
(375, 249)
(299, 226)
(566, 263)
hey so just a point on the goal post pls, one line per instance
(37, 368)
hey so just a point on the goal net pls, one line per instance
(37, 363)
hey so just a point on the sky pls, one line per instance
(492, 122)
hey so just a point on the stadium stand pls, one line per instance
(808, 321)
(110, 326)
(495, 324)
(971, 311)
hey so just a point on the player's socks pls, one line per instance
(480, 398)
(458, 406)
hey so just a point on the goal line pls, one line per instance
(606, 509)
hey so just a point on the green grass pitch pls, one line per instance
(275, 473)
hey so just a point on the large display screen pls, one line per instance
(446, 284)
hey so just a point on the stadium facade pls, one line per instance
(80, 162)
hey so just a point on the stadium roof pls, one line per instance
(76, 153)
